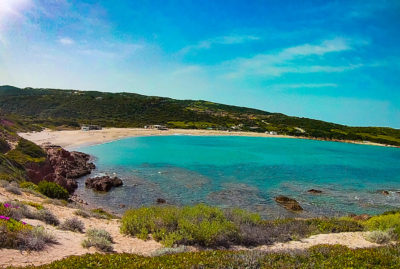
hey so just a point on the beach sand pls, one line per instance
(75, 138)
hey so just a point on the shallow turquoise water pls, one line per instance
(248, 172)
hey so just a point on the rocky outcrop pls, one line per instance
(288, 203)
(314, 191)
(61, 167)
(384, 192)
(104, 183)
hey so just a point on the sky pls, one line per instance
(337, 61)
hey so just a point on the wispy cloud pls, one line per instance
(304, 85)
(222, 40)
(281, 62)
(66, 41)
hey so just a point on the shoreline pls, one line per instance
(72, 139)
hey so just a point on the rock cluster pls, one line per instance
(104, 183)
(314, 191)
(61, 167)
(288, 203)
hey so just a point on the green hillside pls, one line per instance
(53, 108)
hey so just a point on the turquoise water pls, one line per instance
(247, 172)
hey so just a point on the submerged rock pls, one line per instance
(104, 183)
(314, 191)
(384, 192)
(288, 203)
(161, 201)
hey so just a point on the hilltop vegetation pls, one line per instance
(54, 108)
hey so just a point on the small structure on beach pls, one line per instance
(271, 133)
(156, 126)
(90, 127)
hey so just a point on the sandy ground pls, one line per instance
(69, 243)
(76, 138)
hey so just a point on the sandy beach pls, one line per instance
(71, 139)
(74, 138)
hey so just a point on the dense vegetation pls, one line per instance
(52, 190)
(213, 227)
(70, 108)
(322, 256)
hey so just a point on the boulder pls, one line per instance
(104, 183)
(314, 191)
(384, 192)
(288, 203)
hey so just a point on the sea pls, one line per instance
(247, 172)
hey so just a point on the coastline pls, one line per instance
(71, 139)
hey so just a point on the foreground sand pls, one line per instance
(69, 243)
(76, 138)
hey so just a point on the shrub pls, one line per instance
(29, 185)
(33, 204)
(335, 225)
(102, 214)
(35, 239)
(169, 251)
(82, 213)
(384, 223)
(201, 224)
(100, 239)
(73, 224)
(47, 216)
(380, 237)
(321, 256)
(13, 189)
(56, 202)
(4, 183)
(29, 148)
(10, 230)
(52, 190)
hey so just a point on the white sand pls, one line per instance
(76, 138)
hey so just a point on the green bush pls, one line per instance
(29, 148)
(384, 223)
(100, 213)
(201, 224)
(52, 190)
(380, 237)
(100, 239)
(29, 185)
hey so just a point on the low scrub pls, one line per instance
(381, 237)
(73, 224)
(100, 239)
(13, 189)
(29, 185)
(52, 190)
(19, 235)
(100, 213)
(385, 223)
(322, 256)
(211, 227)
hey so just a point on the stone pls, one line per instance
(104, 183)
(314, 191)
(161, 201)
(288, 203)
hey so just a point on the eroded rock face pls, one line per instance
(61, 167)
(288, 203)
(104, 183)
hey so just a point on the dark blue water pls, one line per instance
(248, 172)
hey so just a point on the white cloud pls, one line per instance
(222, 40)
(304, 85)
(276, 64)
(66, 41)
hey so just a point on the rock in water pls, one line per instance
(161, 201)
(314, 191)
(288, 203)
(104, 183)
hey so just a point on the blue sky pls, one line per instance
(337, 61)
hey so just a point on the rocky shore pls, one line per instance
(61, 166)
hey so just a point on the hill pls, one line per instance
(71, 108)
